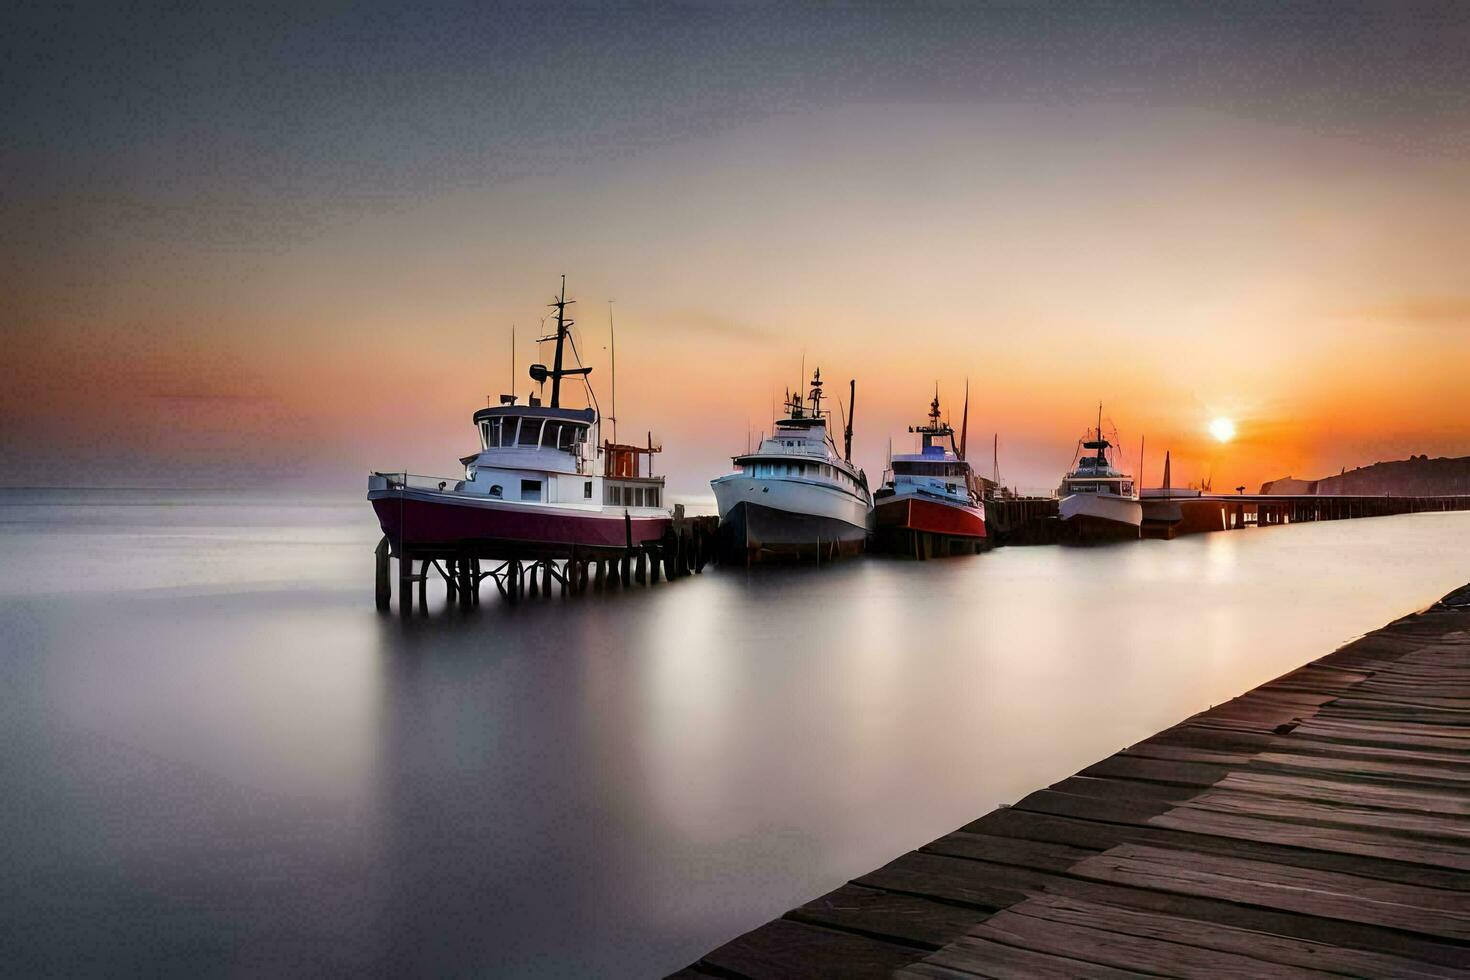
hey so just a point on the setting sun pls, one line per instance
(1222, 429)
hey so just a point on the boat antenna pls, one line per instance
(847, 429)
(1138, 480)
(612, 339)
(995, 459)
(965, 421)
(512, 363)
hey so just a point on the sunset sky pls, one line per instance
(247, 245)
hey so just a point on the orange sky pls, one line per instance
(1175, 263)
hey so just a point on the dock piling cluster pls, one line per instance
(685, 550)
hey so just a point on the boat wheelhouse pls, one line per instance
(930, 504)
(796, 495)
(541, 485)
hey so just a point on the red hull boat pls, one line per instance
(542, 485)
(930, 505)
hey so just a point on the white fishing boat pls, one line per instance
(1098, 500)
(796, 495)
(541, 485)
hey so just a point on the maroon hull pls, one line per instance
(426, 522)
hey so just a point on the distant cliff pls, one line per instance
(1417, 476)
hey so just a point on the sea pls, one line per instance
(219, 759)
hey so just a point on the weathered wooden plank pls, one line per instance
(1008, 850)
(1082, 941)
(953, 879)
(1209, 935)
(1339, 839)
(782, 949)
(1153, 770)
(1352, 794)
(1107, 811)
(889, 916)
(1332, 722)
(1262, 844)
(1451, 829)
(977, 882)
(983, 958)
(1304, 744)
(1123, 790)
(932, 971)
(1317, 893)
(1362, 769)
(1275, 921)
(1182, 753)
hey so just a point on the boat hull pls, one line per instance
(763, 518)
(1100, 517)
(923, 527)
(449, 522)
(755, 532)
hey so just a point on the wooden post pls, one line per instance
(383, 592)
(512, 581)
(653, 562)
(625, 569)
(467, 587)
(641, 572)
(475, 577)
(450, 574)
(405, 582)
(423, 578)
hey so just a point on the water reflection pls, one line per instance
(259, 773)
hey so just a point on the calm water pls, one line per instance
(217, 758)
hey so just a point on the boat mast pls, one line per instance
(964, 423)
(847, 429)
(562, 323)
(612, 337)
(557, 372)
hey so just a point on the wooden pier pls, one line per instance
(1317, 826)
(684, 550)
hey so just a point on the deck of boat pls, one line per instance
(1318, 825)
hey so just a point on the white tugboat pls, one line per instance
(796, 495)
(1098, 500)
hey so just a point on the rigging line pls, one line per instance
(586, 381)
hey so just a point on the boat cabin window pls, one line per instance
(530, 489)
(530, 432)
(911, 468)
(587, 490)
(490, 432)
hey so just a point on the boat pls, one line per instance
(796, 496)
(1097, 500)
(930, 503)
(541, 485)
